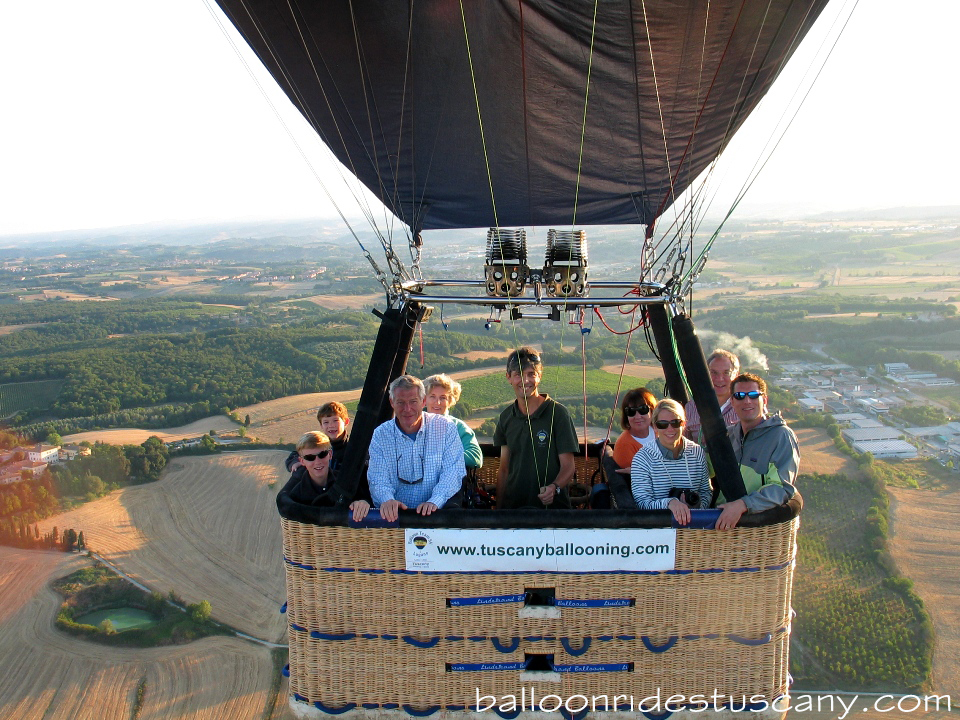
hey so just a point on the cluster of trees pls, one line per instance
(920, 415)
(96, 587)
(157, 416)
(107, 468)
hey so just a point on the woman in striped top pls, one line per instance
(671, 462)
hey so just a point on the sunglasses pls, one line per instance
(631, 411)
(752, 394)
(310, 457)
(664, 424)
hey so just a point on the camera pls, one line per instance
(692, 496)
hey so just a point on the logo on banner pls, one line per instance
(418, 550)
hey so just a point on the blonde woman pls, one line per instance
(671, 474)
(443, 392)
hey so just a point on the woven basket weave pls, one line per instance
(365, 632)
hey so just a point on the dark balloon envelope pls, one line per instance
(388, 86)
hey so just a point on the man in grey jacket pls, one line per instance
(766, 448)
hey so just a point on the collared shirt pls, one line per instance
(427, 468)
(692, 427)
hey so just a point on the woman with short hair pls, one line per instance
(443, 392)
(671, 474)
(635, 409)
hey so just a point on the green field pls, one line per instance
(37, 395)
(948, 395)
(852, 630)
(562, 381)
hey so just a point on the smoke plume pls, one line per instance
(743, 348)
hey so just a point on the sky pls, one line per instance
(116, 112)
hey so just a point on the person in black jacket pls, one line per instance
(312, 481)
(333, 419)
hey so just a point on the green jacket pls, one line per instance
(769, 458)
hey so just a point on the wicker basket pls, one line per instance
(367, 634)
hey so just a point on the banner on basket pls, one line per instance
(540, 550)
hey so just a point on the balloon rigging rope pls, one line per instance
(656, 86)
(776, 138)
(361, 201)
(496, 221)
(323, 186)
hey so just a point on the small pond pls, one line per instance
(123, 618)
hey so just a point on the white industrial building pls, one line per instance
(886, 448)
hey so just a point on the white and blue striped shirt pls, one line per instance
(429, 468)
(652, 475)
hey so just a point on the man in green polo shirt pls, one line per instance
(537, 441)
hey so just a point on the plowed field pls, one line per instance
(208, 530)
(51, 676)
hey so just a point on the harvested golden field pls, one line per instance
(636, 370)
(290, 417)
(208, 530)
(135, 436)
(48, 674)
(344, 302)
(818, 453)
(7, 329)
(926, 546)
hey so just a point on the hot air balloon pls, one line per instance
(512, 114)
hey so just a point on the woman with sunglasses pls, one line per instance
(671, 474)
(635, 411)
(311, 483)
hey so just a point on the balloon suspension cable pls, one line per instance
(380, 275)
(623, 367)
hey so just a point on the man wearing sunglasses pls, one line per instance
(416, 459)
(766, 448)
(312, 480)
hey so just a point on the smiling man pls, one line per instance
(723, 366)
(537, 441)
(416, 459)
(766, 448)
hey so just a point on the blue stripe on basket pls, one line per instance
(487, 667)
(432, 642)
(332, 710)
(500, 647)
(585, 645)
(611, 602)
(513, 643)
(648, 643)
(603, 667)
(656, 716)
(567, 715)
(420, 713)
(538, 572)
(487, 600)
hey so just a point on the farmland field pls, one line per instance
(38, 394)
(926, 546)
(51, 675)
(207, 530)
(136, 436)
